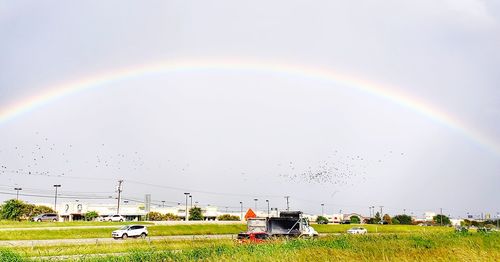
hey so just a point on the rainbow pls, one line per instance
(53, 93)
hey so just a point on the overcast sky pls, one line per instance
(230, 136)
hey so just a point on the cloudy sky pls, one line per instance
(237, 135)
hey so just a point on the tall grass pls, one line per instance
(423, 246)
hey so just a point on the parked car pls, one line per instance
(357, 230)
(114, 218)
(130, 231)
(46, 217)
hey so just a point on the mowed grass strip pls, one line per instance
(197, 229)
(29, 224)
(417, 246)
(73, 233)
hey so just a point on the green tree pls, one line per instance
(355, 220)
(91, 215)
(441, 218)
(403, 219)
(322, 220)
(195, 214)
(395, 221)
(377, 218)
(12, 209)
(387, 218)
(227, 217)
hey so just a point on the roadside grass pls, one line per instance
(417, 246)
(329, 228)
(29, 224)
(160, 230)
(196, 229)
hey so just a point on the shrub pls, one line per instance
(403, 219)
(322, 220)
(12, 209)
(227, 217)
(441, 219)
(355, 220)
(195, 214)
(91, 215)
(155, 216)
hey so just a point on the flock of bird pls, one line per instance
(46, 158)
(338, 170)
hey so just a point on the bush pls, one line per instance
(156, 216)
(387, 219)
(355, 220)
(91, 215)
(441, 218)
(12, 209)
(403, 219)
(322, 220)
(195, 214)
(227, 217)
(171, 217)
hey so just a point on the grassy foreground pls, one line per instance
(388, 247)
(198, 229)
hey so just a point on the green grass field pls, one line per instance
(198, 229)
(29, 224)
(415, 246)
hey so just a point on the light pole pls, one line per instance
(373, 211)
(186, 213)
(255, 199)
(267, 200)
(55, 198)
(17, 192)
(441, 219)
(241, 211)
(322, 209)
(498, 219)
(287, 203)
(163, 203)
(191, 201)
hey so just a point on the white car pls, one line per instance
(357, 230)
(114, 218)
(130, 231)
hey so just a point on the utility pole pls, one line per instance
(381, 213)
(186, 216)
(373, 211)
(255, 199)
(191, 200)
(241, 211)
(267, 200)
(119, 195)
(163, 203)
(17, 192)
(370, 211)
(322, 209)
(55, 198)
(404, 211)
(287, 203)
(441, 211)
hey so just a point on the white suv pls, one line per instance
(114, 218)
(130, 231)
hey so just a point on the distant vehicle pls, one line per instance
(345, 222)
(46, 217)
(130, 231)
(357, 231)
(114, 218)
(383, 222)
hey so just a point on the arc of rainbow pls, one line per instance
(391, 94)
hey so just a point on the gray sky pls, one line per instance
(230, 136)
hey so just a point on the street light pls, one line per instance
(255, 199)
(55, 198)
(267, 200)
(17, 192)
(163, 203)
(322, 209)
(287, 203)
(241, 210)
(191, 201)
(186, 213)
